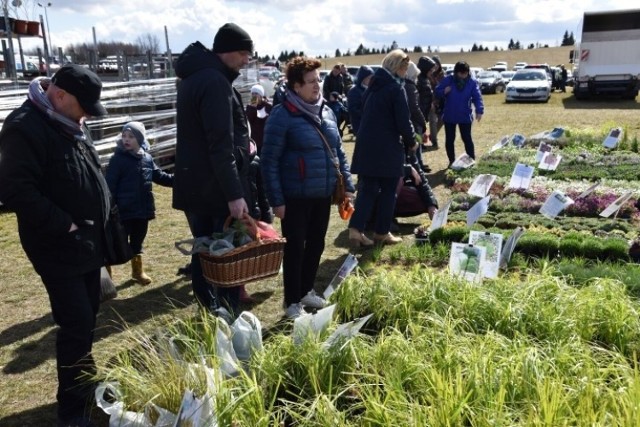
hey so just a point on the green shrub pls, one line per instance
(570, 247)
(615, 249)
(592, 248)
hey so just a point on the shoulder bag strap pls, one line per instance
(336, 163)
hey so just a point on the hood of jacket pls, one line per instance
(382, 78)
(363, 72)
(196, 57)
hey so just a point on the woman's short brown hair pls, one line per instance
(298, 67)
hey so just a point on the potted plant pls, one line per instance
(25, 23)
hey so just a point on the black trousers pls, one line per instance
(304, 226)
(74, 304)
(136, 233)
(450, 137)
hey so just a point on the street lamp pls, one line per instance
(46, 17)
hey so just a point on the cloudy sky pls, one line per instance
(319, 27)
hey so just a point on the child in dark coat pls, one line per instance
(130, 175)
(339, 109)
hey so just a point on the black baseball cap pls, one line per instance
(82, 83)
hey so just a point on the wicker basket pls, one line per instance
(254, 261)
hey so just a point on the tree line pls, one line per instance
(82, 52)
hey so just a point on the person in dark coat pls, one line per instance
(379, 155)
(300, 177)
(354, 97)
(50, 177)
(130, 174)
(211, 177)
(417, 118)
(333, 82)
(425, 96)
(257, 113)
(460, 90)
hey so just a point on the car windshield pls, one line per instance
(529, 75)
(487, 75)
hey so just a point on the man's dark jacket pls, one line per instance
(212, 150)
(50, 181)
(332, 83)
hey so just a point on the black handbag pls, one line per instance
(117, 249)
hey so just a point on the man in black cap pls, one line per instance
(211, 179)
(50, 177)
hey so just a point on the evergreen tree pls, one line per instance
(565, 39)
(360, 50)
(511, 44)
(338, 54)
(417, 49)
(474, 48)
(571, 39)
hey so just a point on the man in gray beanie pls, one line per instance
(212, 166)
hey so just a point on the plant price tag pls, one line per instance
(555, 203)
(481, 185)
(521, 177)
(616, 205)
(480, 208)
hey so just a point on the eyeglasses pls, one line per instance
(314, 81)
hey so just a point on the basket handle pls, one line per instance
(248, 221)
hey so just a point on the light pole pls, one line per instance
(46, 17)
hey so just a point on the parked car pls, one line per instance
(545, 67)
(506, 76)
(491, 82)
(529, 85)
(519, 66)
(31, 68)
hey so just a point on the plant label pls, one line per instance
(440, 217)
(467, 261)
(616, 205)
(518, 140)
(589, 190)
(542, 149)
(501, 144)
(510, 246)
(521, 177)
(492, 242)
(463, 162)
(613, 138)
(555, 203)
(550, 161)
(481, 185)
(345, 269)
(480, 208)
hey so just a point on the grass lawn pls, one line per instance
(27, 332)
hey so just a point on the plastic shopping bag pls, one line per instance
(247, 335)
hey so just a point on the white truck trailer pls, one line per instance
(607, 56)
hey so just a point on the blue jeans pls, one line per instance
(371, 188)
(450, 137)
(207, 295)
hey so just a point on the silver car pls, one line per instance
(528, 85)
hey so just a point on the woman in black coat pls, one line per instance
(385, 134)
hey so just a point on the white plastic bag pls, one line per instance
(247, 335)
(118, 417)
(224, 349)
(195, 412)
(312, 323)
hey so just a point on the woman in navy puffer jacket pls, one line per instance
(300, 177)
(130, 174)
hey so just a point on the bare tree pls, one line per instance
(148, 42)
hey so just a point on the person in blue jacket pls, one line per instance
(301, 143)
(460, 91)
(385, 134)
(354, 96)
(130, 175)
